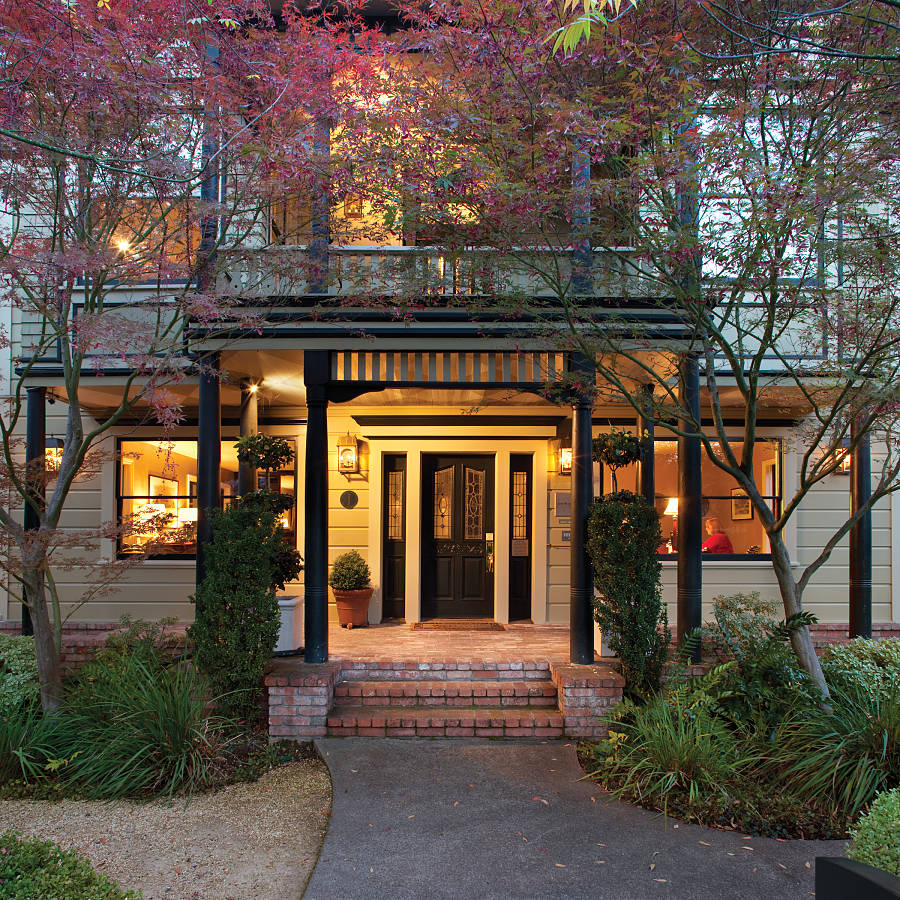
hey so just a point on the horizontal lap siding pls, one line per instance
(348, 529)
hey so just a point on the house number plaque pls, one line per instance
(519, 548)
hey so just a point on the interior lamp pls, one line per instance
(671, 507)
(348, 454)
(187, 515)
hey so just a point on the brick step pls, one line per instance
(420, 721)
(536, 693)
(444, 670)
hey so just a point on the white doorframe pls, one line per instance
(413, 450)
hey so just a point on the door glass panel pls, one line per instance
(474, 508)
(395, 506)
(520, 506)
(443, 504)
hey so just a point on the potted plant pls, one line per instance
(349, 579)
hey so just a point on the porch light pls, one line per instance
(565, 460)
(671, 507)
(348, 454)
(53, 450)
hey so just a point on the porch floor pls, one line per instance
(394, 641)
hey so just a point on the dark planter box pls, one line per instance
(844, 879)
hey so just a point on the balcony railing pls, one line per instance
(286, 272)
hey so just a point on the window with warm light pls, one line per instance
(157, 495)
(731, 526)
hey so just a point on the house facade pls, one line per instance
(437, 448)
(444, 437)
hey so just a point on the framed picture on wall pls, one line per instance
(741, 508)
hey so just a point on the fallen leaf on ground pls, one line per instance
(559, 865)
(705, 844)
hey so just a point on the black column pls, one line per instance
(581, 590)
(647, 484)
(860, 538)
(209, 455)
(249, 425)
(690, 488)
(35, 443)
(315, 574)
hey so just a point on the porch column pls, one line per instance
(35, 443)
(860, 537)
(647, 483)
(690, 489)
(209, 455)
(315, 575)
(581, 609)
(249, 425)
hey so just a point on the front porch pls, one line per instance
(391, 681)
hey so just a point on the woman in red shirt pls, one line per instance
(718, 541)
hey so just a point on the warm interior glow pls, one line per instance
(671, 507)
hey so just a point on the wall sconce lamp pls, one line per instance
(348, 454)
(53, 450)
(565, 460)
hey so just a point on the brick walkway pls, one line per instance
(397, 641)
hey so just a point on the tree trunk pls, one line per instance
(801, 639)
(49, 665)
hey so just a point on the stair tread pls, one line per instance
(418, 713)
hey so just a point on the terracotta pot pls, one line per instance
(353, 606)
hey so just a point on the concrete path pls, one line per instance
(436, 819)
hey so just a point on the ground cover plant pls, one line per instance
(753, 744)
(37, 870)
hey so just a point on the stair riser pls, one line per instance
(438, 702)
(538, 734)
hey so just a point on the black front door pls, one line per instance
(457, 536)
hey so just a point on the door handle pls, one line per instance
(489, 551)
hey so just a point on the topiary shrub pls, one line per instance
(350, 572)
(876, 838)
(237, 620)
(623, 536)
(33, 870)
(19, 685)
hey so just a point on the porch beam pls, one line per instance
(35, 444)
(860, 537)
(690, 515)
(581, 609)
(249, 426)
(209, 456)
(316, 366)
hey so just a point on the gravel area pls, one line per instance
(257, 840)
